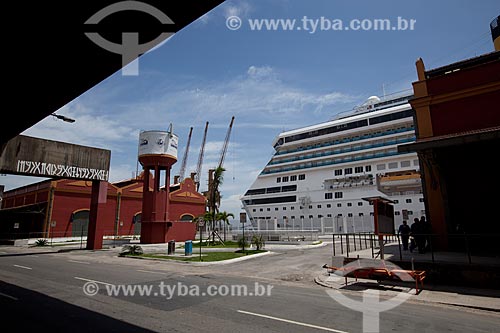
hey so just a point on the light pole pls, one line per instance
(63, 118)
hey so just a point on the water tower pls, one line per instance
(157, 154)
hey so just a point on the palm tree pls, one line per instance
(214, 195)
(224, 217)
(208, 217)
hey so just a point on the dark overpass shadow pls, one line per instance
(24, 310)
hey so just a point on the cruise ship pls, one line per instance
(319, 174)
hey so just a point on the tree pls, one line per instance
(224, 217)
(208, 217)
(214, 195)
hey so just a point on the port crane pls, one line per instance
(200, 159)
(184, 159)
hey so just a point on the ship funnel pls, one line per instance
(495, 32)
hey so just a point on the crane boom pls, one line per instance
(200, 158)
(226, 142)
(184, 159)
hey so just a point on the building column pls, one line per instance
(96, 216)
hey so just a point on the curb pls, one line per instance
(207, 263)
(318, 281)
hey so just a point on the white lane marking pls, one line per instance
(80, 262)
(88, 280)
(23, 267)
(140, 270)
(8, 296)
(291, 321)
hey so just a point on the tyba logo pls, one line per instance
(130, 48)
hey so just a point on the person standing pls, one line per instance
(427, 231)
(415, 234)
(404, 232)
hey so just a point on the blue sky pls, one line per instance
(269, 80)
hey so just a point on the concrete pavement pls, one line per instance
(293, 264)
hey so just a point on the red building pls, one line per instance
(458, 138)
(60, 208)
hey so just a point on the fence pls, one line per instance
(324, 225)
(457, 248)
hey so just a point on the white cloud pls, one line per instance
(262, 103)
(237, 8)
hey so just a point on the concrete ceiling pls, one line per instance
(50, 61)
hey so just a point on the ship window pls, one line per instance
(293, 178)
(284, 208)
(349, 204)
(358, 169)
(348, 171)
(339, 215)
(393, 165)
(380, 166)
(261, 210)
(415, 162)
(301, 216)
(360, 203)
(421, 199)
(349, 215)
(270, 200)
(328, 215)
(292, 208)
(276, 208)
(268, 209)
(396, 201)
(397, 213)
(361, 214)
(311, 216)
(284, 179)
(368, 168)
(256, 191)
(292, 217)
(319, 206)
(391, 117)
(371, 213)
(254, 210)
(405, 164)
(302, 177)
(338, 172)
(289, 188)
(408, 200)
(339, 205)
(310, 206)
(328, 206)
(410, 212)
(278, 180)
(338, 195)
(329, 195)
(320, 216)
(276, 189)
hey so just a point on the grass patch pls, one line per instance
(208, 256)
(228, 244)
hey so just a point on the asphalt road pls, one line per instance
(46, 291)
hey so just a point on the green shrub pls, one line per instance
(41, 242)
(242, 242)
(258, 241)
(131, 250)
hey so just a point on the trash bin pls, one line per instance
(171, 247)
(188, 248)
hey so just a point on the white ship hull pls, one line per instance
(320, 174)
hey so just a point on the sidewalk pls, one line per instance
(483, 299)
(456, 295)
